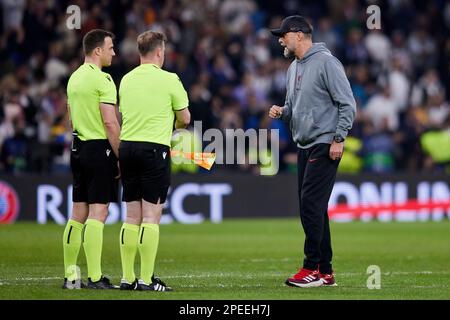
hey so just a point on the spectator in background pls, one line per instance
(278, 79)
(351, 162)
(128, 49)
(55, 68)
(407, 139)
(401, 53)
(12, 113)
(260, 50)
(42, 156)
(379, 47)
(444, 65)
(325, 33)
(185, 70)
(399, 85)
(13, 11)
(253, 113)
(436, 145)
(199, 105)
(14, 151)
(360, 84)
(189, 32)
(428, 85)
(378, 148)
(382, 110)
(355, 51)
(422, 49)
(60, 144)
(234, 14)
(437, 109)
(221, 72)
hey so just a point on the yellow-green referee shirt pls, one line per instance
(148, 98)
(88, 86)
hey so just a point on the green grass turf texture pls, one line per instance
(240, 259)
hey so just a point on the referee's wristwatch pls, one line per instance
(338, 138)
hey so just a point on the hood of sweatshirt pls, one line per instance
(318, 107)
(316, 48)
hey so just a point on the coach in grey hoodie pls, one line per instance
(320, 109)
(319, 102)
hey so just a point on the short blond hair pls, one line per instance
(148, 41)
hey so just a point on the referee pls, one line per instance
(91, 97)
(320, 109)
(150, 100)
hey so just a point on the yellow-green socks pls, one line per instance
(71, 248)
(128, 247)
(92, 244)
(148, 246)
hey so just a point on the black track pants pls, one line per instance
(316, 177)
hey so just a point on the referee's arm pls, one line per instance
(180, 103)
(111, 124)
(183, 118)
(70, 118)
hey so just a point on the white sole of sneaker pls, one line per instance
(313, 284)
(330, 285)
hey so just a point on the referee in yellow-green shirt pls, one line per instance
(91, 96)
(151, 99)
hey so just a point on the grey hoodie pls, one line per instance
(319, 101)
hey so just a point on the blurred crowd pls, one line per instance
(234, 70)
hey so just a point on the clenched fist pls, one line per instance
(275, 112)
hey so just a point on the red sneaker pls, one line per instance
(305, 278)
(328, 279)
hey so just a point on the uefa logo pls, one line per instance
(9, 203)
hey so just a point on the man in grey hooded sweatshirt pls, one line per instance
(320, 109)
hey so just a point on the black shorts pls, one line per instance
(145, 171)
(94, 168)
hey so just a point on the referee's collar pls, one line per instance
(92, 65)
(147, 65)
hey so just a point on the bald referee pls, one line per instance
(150, 100)
(91, 97)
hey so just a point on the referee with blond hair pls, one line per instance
(151, 99)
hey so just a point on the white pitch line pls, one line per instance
(240, 275)
(37, 279)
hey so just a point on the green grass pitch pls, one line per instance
(241, 259)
